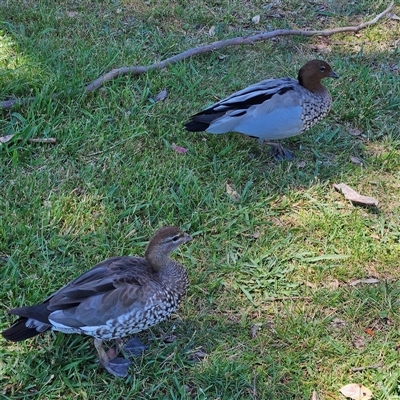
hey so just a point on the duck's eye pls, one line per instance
(322, 68)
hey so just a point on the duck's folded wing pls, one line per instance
(100, 295)
(97, 279)
(255, 94)
(110, 283)
(238, 103)
(116, 299)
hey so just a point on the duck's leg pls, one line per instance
(133, 347)
(278, 152)
(117, 366)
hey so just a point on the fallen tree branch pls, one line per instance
(5, 104)
(137, 70)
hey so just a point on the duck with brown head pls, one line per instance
(118, 297)
(271, 109)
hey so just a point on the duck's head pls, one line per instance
(164, 241)
(311, 74)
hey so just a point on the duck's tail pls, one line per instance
(203, 120)
(18, 331)
(33, 321)
(196, 126)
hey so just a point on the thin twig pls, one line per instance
(43, 140)
(308, 298)
(137, 70)
(255, 385)
(5, 139)
(366, 367)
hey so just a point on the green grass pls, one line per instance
(270, 304)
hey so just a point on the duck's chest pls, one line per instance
(314, 108)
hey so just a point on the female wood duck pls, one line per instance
(118, 297)
(271, 109)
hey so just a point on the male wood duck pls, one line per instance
(118, 297)
(271, 109)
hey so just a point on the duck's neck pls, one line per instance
(158, 262)
(313, 86)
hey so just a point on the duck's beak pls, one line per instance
(333, 74)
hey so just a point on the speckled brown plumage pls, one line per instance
(118, 297)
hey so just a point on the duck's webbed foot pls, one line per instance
(116, 366)
(279, 153)
(133, 346)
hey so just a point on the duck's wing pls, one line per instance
(94, 295)
(238, 103)
(109, 290)
(100, 279)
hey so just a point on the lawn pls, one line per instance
(292, 286)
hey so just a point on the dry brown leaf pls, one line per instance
(356, 392)
(354, 197)
(338, 323)
(161, 96)
(254, 235)
(369, 331)
(179, 149)
(170, 338)
(301, 164)
(355, 160)
(254, 330)
(355, 132)
(393, 16)
(5, 139)
(321, 47)
(232, 193)
(333, 284)
(211, 31)
(256, 19)
(197, 355)
(358, 342)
